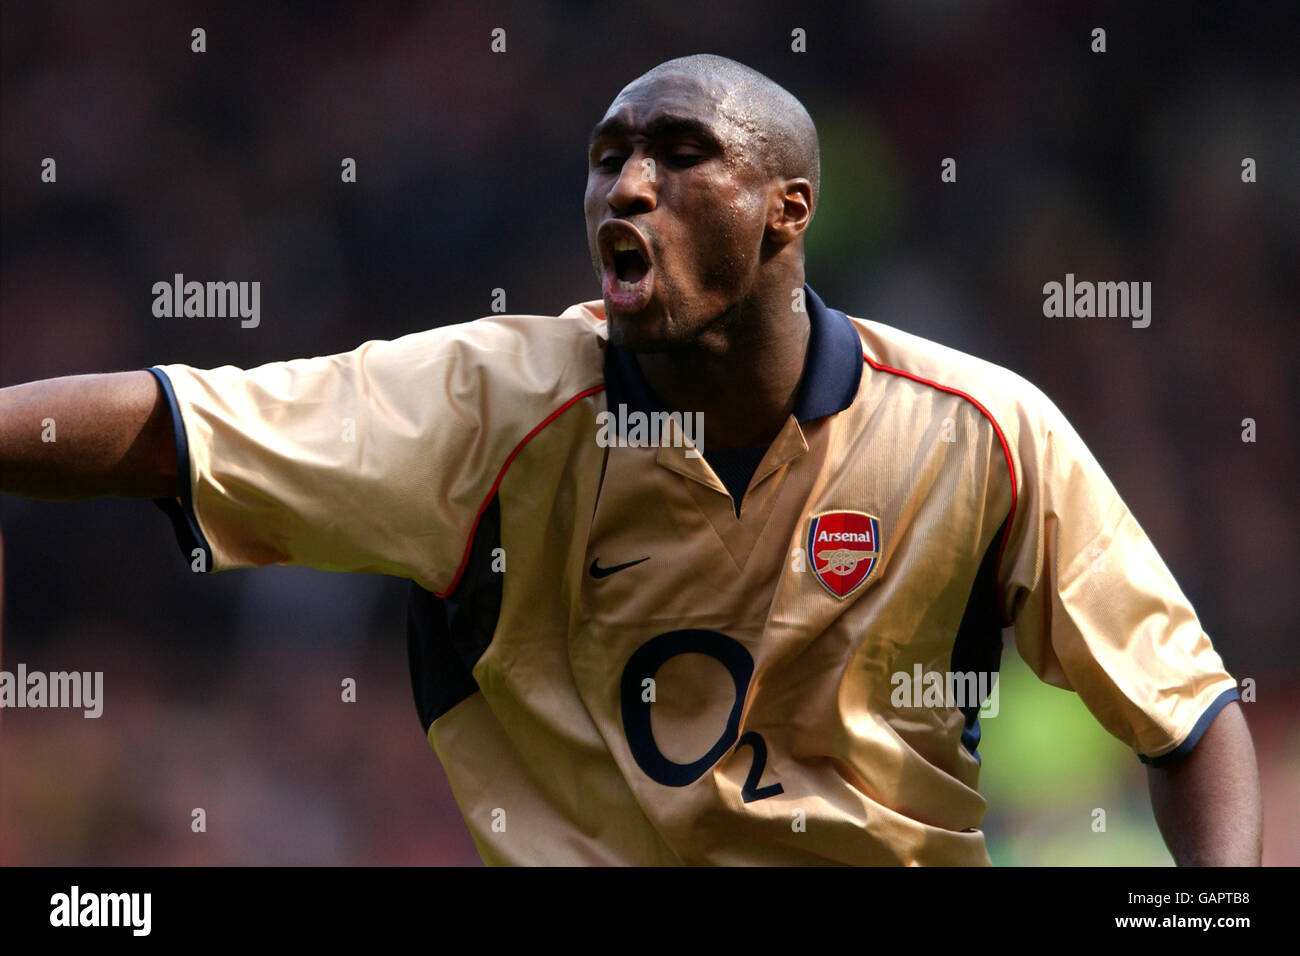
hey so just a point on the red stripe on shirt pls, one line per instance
(469, 544)
(1006, 451)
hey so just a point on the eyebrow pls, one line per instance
(661, 127)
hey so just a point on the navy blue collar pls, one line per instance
(831, 374)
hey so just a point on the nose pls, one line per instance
(634, 190)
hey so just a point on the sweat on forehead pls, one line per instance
(760, 112)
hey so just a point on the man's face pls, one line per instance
(676, 210)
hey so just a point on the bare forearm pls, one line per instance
(1207, 805)
(87, 435)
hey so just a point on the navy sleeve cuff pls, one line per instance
(1190, 741)
(181, 511)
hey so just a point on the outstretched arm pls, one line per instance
(113, 436)
(1207, 804)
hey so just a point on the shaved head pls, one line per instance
(778, 128)
(702, 177)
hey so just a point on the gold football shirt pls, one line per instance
(614, 666)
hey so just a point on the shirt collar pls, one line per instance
(831, 375)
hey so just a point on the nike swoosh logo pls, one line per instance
(598, 572)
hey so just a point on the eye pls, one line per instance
(685, 159)
(610, 162)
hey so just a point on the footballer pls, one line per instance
(681, 645)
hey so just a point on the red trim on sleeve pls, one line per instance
(1006, 450)
(469, 544)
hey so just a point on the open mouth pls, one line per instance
(629, 272)
(629, 264)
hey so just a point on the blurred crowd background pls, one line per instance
(222, 691)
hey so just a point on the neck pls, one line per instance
(743, 373)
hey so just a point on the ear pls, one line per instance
(790, 210)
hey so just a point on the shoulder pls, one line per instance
(1013, 404)
(533, 360)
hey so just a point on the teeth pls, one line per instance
(626, 286)
(624, 245)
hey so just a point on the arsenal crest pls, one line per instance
(843, 549)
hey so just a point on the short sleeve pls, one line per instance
(375, 460)
(1094, 606)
